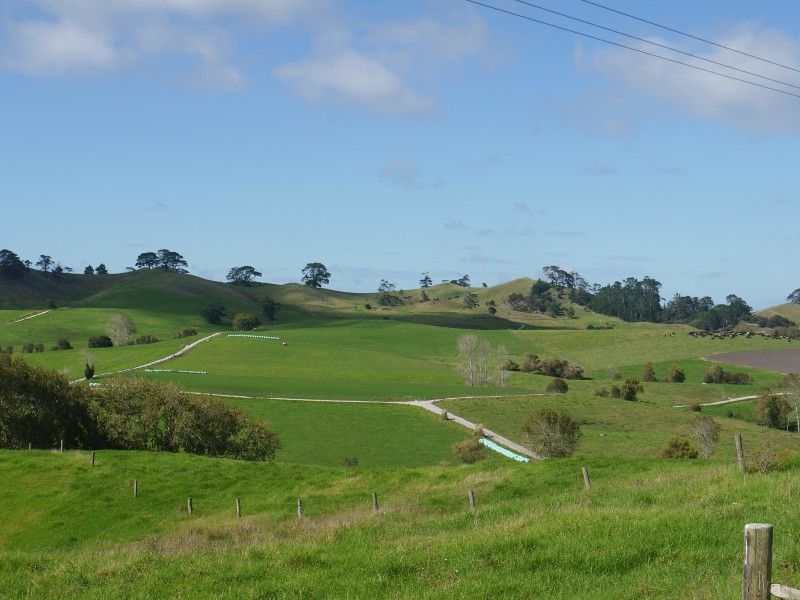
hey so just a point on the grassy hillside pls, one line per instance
(647, 529)
(790, 311)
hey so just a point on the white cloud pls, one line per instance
(41, 47)
(405, 173)
(352, 78)
(709, 96)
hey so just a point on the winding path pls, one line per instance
(727, 401)
(39, 314)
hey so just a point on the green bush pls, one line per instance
(245, 321)
(551, 434)
(469, 451)
(772, 410)
(616, 391)
(146, 339)
(557, 386)
(62, 344)
(100, 341)
(630, 389)
(676, 375)
(648, 373)
(680, 446)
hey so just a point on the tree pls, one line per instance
(462, 281)
(315, 275)
(705, 431)
(792, 385)
(385, 296)
(88, 371)
(471, 300)
(100, 341)
(89, 270)
(426, 281)
(172, 261)
(120, 329)
(557, 386)
(245, 321)
(10, 265)
(772, 410)
(101, 270)
(44, 262)
(630, 389)
(213, 314)
(270, 309)
(147, 260)
(794, 297)
(551, 434)
(423, 296)
(242, 275)
(492, 310)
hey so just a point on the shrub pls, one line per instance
(772, 410)
(616, 391)
(713, 375)
(737, 378)
(88, 371)
(62, 344)
(100, 341)
(255, 441)
(245, 321)
(368, 306)
(630, 389)
(735, 415)
(50, 304)
(573, 371)
(350, 462)
(695, 407)
(613, 373)
(469, 451)
(557, 386)
(680, 446)
(768, 459)
(146, 339)
(27, 348)
(188, 333)
(510, 365)
(8, 350)
(213, 314)
(38, 348)
(551, 434)
(478, 430)
(530, 363)
(676, 375)
(705, 431)
(602, 393)
(554, 367)
(648, 373)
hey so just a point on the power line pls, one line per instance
(640, 51)
(689, 35)
(652, 43)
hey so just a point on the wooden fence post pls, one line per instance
(299, 508)
(375, 502)
(136, 489)
(61, 449)
(29, 445)
(740, 452)
(587, 484)
(92, 457)
(238, 509)
(757, 561)
(189, 504)
(471, 495)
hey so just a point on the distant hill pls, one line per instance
(789, 310)
(169, 292)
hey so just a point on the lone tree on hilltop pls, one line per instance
(315, 275)
(426, 281)
(147, 260)
(794, 297)
(101, 270)
(10, 265)
(44, 262)
(242, 275)
(89, 270)
(386, 295)
(172, 261)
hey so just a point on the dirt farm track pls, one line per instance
(782, 361)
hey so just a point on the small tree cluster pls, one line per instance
(676, 375)
(480, 363)
(772, 410)
(552, 367)
(245, 321)
(244, 275)
(213, 314)
(716, 374)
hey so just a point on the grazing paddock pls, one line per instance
(781, 360)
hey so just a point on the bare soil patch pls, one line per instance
(785, 360)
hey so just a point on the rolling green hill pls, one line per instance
(789, 310)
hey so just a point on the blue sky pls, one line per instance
(390, 138)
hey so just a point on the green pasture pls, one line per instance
(646, 529)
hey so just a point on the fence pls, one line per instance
(757, 584)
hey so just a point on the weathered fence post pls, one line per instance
(238, 509)
(757, 561)
(471, 495)
(61, 449)
(375, 502)
(29, 446)
(189, 504)
(740, 452)
(136, 489)
(92, 457)
(299, 508)
(587, 484)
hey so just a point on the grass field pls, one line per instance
(666, 529)
(378, 435)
